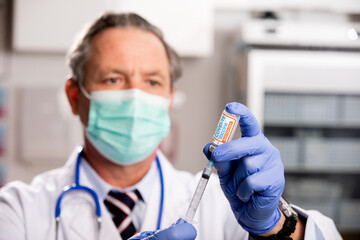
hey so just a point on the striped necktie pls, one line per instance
(120, 206)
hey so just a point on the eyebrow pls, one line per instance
(103, 74)
(154, 73)
(145, 73)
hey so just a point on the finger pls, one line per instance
(240, 170)
(248, 123)
(265, 183)
(241, 147)
(250, 165)
(179, 231)
(180, 221)
(142, 235)
(224, 171)
(206, 151)
(223, 167)
(227, 156)
(258, 204)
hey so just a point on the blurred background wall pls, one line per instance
(295, 64)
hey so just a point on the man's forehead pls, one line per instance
(128, 49)
(115, 36)
(129, 42)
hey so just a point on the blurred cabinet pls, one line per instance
(39, 108)
(4, 128)
(3, 34)
(51, 25)
(4, 125)
(308, 102)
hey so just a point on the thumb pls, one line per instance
(181, 230)
(248, 123)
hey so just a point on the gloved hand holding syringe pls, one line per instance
(253, 189)
(224, 132)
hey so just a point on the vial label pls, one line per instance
(225, 128)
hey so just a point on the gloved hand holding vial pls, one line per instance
(251, 174)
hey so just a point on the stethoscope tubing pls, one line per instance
(161, 194)
(77, 187)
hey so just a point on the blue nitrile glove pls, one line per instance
(181, 230)
(251, 174)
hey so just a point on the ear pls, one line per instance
(72, 91)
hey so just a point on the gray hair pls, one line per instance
(79, 54)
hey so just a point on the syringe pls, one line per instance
(224, 132)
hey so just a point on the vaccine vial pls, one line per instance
(225, 129)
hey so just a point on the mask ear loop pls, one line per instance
(84, 92)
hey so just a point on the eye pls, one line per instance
(112, 80)
(154, 82)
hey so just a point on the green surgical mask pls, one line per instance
(126, 126)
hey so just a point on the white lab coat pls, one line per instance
(27, 211)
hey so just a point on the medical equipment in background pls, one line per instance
(76, 186)
(303, 87)
(224, 132)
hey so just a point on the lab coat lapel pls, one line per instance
(177, 193)
(152, 208)
(176, 198)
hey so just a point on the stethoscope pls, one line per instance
(76, 187)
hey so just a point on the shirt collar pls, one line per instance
(102, 188)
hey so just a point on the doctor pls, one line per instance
(121, 88)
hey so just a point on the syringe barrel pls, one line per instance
(206, 173)
(225, 129)
(195, 201)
